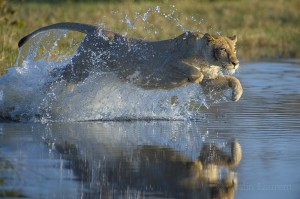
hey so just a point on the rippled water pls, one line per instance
(106, 159)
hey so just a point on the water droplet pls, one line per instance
(157, 8)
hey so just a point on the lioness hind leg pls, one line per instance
(69, 74)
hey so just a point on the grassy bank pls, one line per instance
(266, 29)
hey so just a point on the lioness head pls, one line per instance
(220, 51)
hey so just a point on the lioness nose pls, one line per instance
(235, 63)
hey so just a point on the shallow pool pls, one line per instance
(139, 159)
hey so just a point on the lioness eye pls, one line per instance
(222, 51)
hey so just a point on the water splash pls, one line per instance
(25, 93)
(102, 96)
(144, 20)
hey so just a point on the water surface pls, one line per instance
(69, 159)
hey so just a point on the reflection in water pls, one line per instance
(109, 169)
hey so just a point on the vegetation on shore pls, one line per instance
(266, 29)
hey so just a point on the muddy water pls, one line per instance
(130, 159)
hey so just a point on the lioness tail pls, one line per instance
(84, 28)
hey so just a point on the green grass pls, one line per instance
(266, 29)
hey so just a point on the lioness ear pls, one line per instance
(208, 37)
(233, 38)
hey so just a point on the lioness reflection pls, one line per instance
(155, 171)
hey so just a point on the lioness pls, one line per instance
(192, 57)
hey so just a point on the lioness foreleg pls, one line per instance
(222, 83)
(196, 79)
(193, 74)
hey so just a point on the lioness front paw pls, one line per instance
(237, 89)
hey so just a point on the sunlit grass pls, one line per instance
(266, 29)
